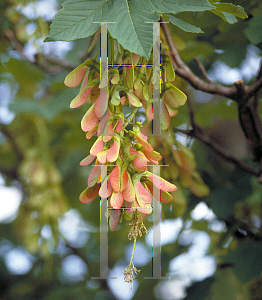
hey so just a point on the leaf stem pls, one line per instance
(131, 264)
(133, 113)
(112, 50)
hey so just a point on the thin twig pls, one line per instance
(78, 253)
(11, 37)
(191, 113)
(11, 139)
(43, 63)
(9, 173)
(12, 173)
(205, 139)
(202, 69)
(61, 62)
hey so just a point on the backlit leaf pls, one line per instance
(184, 25)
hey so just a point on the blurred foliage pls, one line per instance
(42, 146)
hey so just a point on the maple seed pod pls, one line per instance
(131, 133)
(114, 219)
(168, 68)
(138, 146)
(172, 95)
(75, 77)
(128, 182)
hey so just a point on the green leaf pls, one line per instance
(132, 20)
(226, 286)
(223, 200)
(170, 73)
(48, 110)
(233, 55)
(206, 114)
(232, 9)
(184, 25)
(115, 98)
(29, 106)
(74, 20)
(247, 260)
(176, 6)
(166, 17)
(253, 31)
(225, 16)
(132, 29)
(27, 83)
(196, 48)
(199, 290)
(229, 12)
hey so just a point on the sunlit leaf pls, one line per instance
(132, 28)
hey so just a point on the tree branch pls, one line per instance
(257, 93)
(248, 114)
(256, 87)
(50, 65)
(184, 72)
(9, 173)
(191, 113)
(209, 87)
(205, 139)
